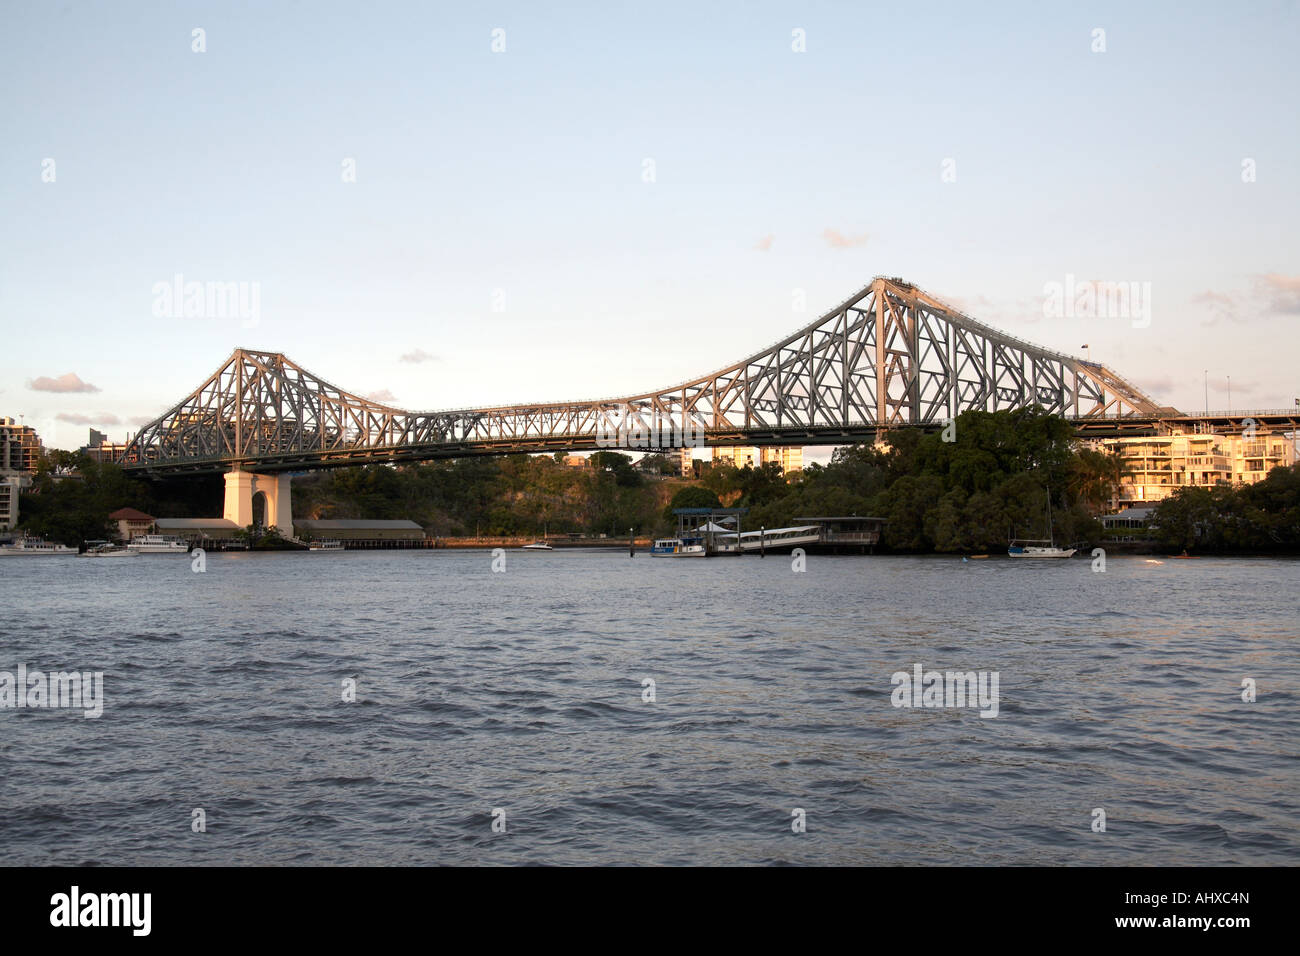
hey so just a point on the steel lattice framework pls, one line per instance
(890, 356)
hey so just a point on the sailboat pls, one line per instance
(1040, 547)
(540, 544)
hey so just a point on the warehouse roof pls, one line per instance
(356, 525)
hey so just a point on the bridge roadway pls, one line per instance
(1225, 423)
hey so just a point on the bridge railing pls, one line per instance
(1248, 413)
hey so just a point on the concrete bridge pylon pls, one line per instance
(243, 486)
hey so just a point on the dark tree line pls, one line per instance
(989, 483)
(1263, 517)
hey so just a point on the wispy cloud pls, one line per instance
(64, 383)
(1238, 387)
(764, 244)
(1268, 294)
(98, 418)
(971, 305)
(837, 240)
(1220, 305)
(139, 420)
(1159, 384)
(1282, 292)
(383, 395)
(417, 356)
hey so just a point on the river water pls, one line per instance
(522, 692)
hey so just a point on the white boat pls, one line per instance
(678, 548)
(1024, 549)
(32, 547)
(540, 544)
(159, 544)
(1037, 547)
(326, 545)
(110, 551)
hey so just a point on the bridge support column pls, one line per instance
(241, 486)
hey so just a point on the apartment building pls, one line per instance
(20, 448)
(20, 452)
(1160, 465)
(11, 487)
(790, 457)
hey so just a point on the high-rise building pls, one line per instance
(789, 457)
(20, 448)
(106, 452)
(686, 458)
(737, 455)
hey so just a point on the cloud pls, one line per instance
(1240, 387)
(383, 395)
(99, 418)
(971, 305)
(1220, 305)
(64, 383)
(1159, 385)
(1282, 292)
(837, 240)
(418, 356)
(139, 420)
(764, 244)
(1270, 293)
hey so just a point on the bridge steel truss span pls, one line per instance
(890, 356)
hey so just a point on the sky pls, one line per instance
(449, 205)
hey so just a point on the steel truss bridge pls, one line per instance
(890, 356)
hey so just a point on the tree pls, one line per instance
(75, 507)
(691, 497)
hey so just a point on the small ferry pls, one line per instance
(159, 544)
(32, 547)
(678, 548)
(326, 545)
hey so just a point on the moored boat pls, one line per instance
(34, 547)
(158, 544)
(1040, 547)
(110, 551)
(329, 544)
(1024, 549)
(678, 548)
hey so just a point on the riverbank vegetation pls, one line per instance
(1259, 518)
(991, 482)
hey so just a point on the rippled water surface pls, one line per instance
(523, 691)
